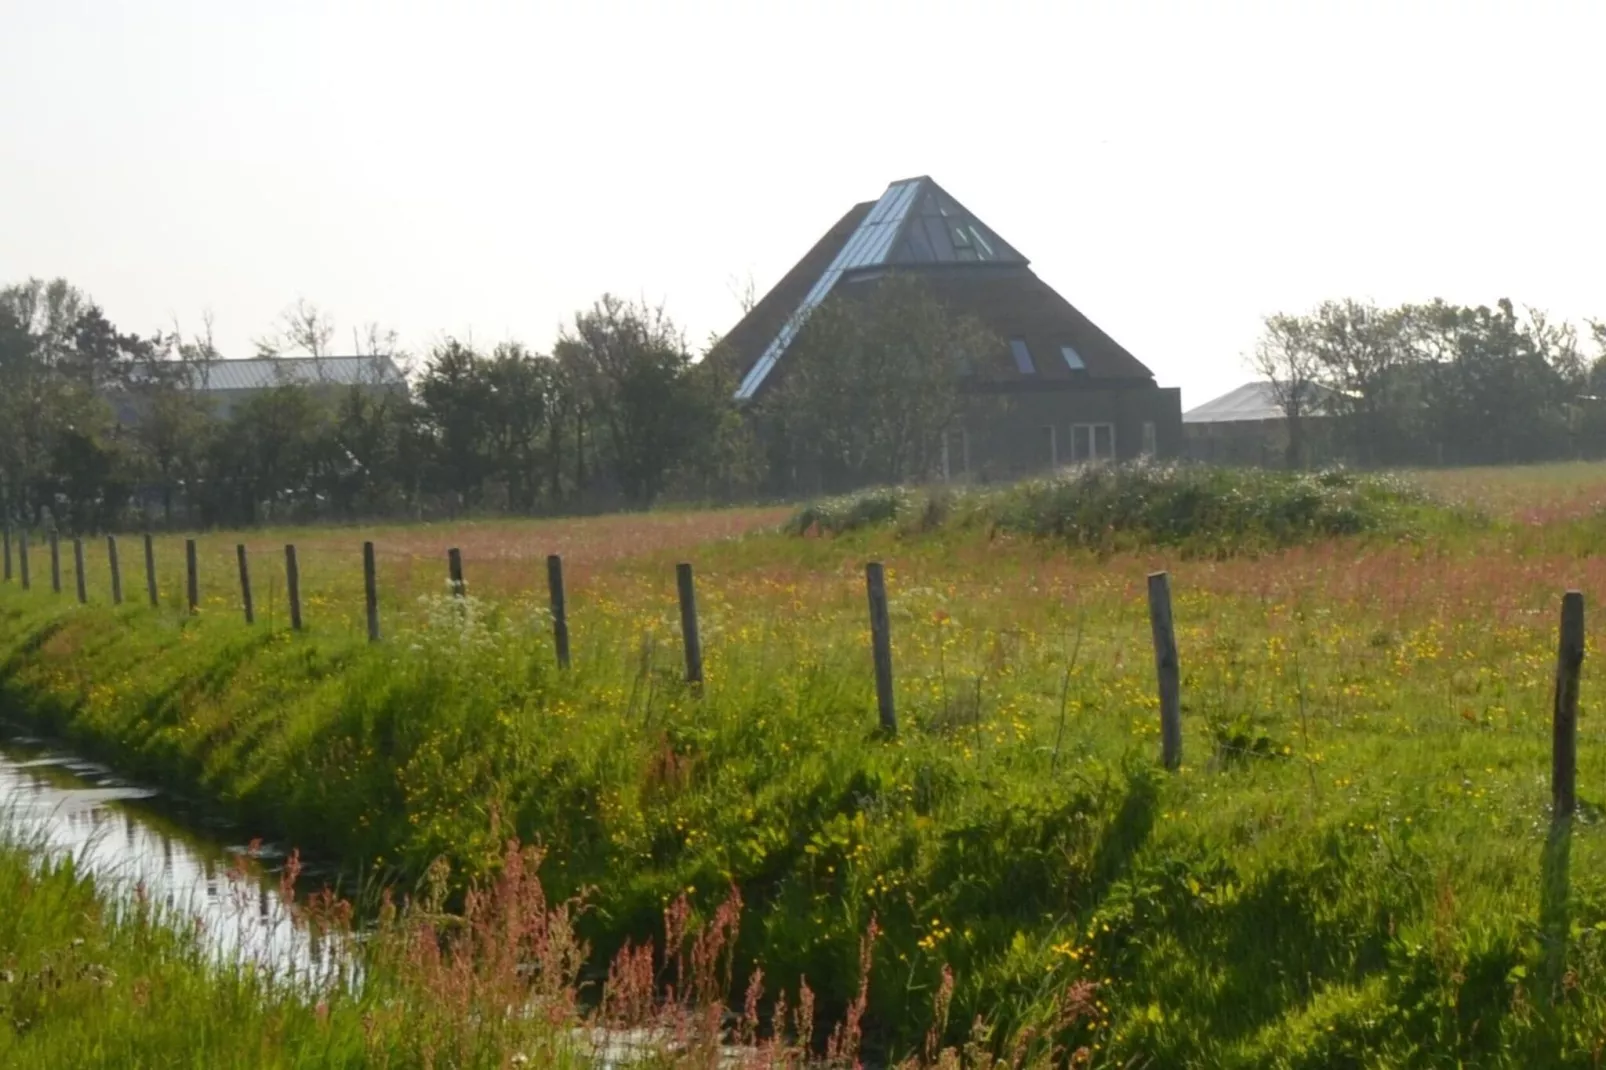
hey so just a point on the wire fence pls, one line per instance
(324, 585)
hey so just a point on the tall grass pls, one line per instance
(92, 979)
(1352, 868)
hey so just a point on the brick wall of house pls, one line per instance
(1019, 433)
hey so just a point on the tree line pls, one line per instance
(1434, 383)
(103, 428)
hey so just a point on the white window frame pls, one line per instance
(1150, 439)
(947, 453)
(1092, 442)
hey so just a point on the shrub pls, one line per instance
(1144, 504)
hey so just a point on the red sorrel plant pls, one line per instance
(503, 978)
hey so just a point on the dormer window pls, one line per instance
(1023, 356)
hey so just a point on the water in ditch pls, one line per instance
(134, 840)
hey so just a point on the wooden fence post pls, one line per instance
(150, 571)
(1167, 668)
(116, 570)
(78, 569)
(454, 571)
(370, 586)
(192, 582)
(292, 584)
(8, 554)
(688, 623)
(22, 559)
(1564, 718)
(55, 563)
(875, 581)
(560, 608)
(245, 584)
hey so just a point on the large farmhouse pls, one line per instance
(1058, 390)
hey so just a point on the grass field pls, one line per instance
(1354, 867)
(78, 987)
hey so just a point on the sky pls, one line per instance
(1177, 171)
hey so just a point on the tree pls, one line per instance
(1286, 356)
(302, 328)
(58, 355)
(520, 386)
(1499, 387)
(727, 463)
(272, 453)
(455, 396)
(629, 368)
(871, 384)
(1362, 355)
(38, 321)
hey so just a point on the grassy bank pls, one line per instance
(86, 982)
(1353, 867)
(1211, 511)
(102, 977)
(78, 988)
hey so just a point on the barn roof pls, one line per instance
(259, 373)
(1252, 401)
(916, 226)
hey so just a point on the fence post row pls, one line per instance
(688, 623)
(1569, 656)
(150, 571)
(192, 584)
(560, 609)
(292, 584)
(454, 570)
(1167, 669)
(1564, 718)
(370, 585)
(875, 581)
(245, 584)
(116, 570)
(78, 570)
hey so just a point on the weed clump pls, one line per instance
(849, 512)
(1138, 504)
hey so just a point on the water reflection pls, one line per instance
(117, 833)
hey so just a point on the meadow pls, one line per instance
(1355, 866)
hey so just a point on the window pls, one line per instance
(1081, 442)
(1104, 442)
(1073, 359)
(955, 454)
(1051, 447)
(1092, 442)
(1148, 438)
(1023, 356)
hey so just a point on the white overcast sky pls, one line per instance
(1177, 170)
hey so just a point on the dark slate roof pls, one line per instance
(746, 341)
(916, 226)
(1252, 401)
(1017, 305)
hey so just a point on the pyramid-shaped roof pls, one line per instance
(918, 226)
(915, 223)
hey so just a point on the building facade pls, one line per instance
(1058, 390)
